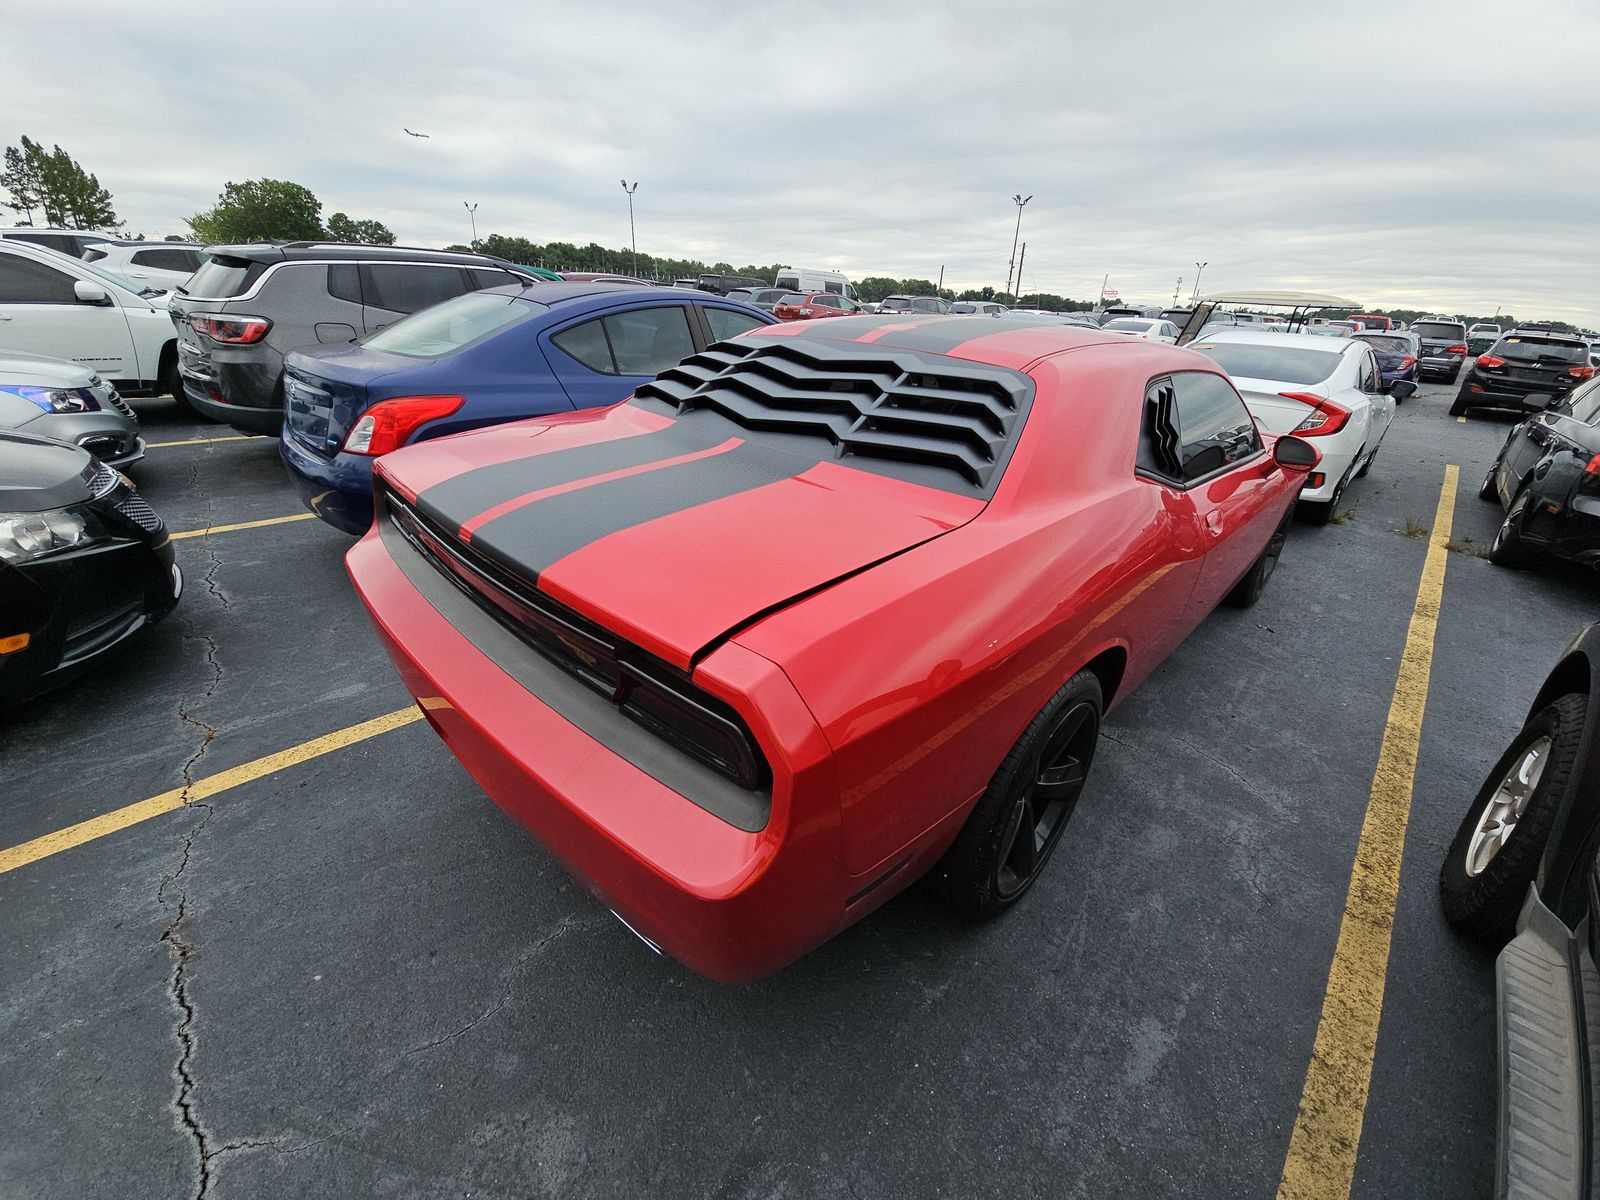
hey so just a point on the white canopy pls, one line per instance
(1283, 300)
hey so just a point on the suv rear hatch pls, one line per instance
(717, 495)
(1438, 336)
(219, 280)
(1521, 365)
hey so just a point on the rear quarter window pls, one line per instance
(409, 287)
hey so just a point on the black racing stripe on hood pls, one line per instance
(461, 497)
(530, 539)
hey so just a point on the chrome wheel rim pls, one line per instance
(1498, 820)
(1040, 813)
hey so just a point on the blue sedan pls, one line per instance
(481, 359)
(1396, 353)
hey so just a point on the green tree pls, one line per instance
(370, 233)
(875, 287)
(52, 181)
(260, 209)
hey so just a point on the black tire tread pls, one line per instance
(1486, 908)
(963, 879)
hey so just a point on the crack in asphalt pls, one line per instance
(562, 927)
(173, 937)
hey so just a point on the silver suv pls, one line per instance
(242, 311)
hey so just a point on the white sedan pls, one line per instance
(1144, 328)
(1320, 388)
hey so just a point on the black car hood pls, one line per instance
(37, 473)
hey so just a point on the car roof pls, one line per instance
(276, 252)
(575, 289)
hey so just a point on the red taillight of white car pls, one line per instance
(388, 424)
(230, 331)
(1326, 417)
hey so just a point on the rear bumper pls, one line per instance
(731, 903)
(1442, 364)
(337, 489)
(1499, 396)
(207, 402)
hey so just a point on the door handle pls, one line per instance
(1214, 522)
(5, 316)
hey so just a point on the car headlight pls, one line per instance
(28, 535)
(57, 400)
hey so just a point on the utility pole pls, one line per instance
(1176, 288)
(1019, 200)
(940, 287)
(1101, 302)
(1198, 267)
(472, 211)
(633, 238)
(1020, 257)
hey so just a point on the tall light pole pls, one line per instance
(1176, 288)
(1019, 200)
(1195, 295)
(630, 188)
(472, 211)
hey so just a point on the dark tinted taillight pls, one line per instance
(691, 720)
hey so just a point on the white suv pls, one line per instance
(60, 307)
(160, 265)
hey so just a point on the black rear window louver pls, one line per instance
(868, 402)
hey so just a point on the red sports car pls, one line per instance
(814, 306)
(819, 610)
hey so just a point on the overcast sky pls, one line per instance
(1434, 155)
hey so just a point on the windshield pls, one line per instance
(896, 304)
(1439, 330)
(221, 278)
(1285, 364)
(447, 327)
(1528, 349)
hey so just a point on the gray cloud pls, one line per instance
(1413, 153)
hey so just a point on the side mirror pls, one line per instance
(1402, 389)
(1295, 454)
(90, 293)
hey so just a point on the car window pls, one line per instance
(836, 288)
(726, 323)
(1584, 404)
(1214, 426)
(1284, 364)
(488, 277)
(926, 304)
(792, 300)
(1533, 349)
(1438, 330)
(895, 304)
(23, 281)
(344, 282)
(647, 341)
(826, 301)
(221, 278)
(587, 343)
(448, 326)
(92, 255)
(162, 259)
(409, 287)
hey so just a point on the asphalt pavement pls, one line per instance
(354, 977)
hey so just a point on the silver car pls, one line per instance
(49, 397)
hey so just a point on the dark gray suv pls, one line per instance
(247, 307)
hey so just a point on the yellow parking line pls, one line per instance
(242, 437)
(189, 533)
(98, 827)
(1327, 1132)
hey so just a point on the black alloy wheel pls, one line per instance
(1507, 549)
(1019, 820)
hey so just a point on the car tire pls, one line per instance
(1505, 856)
(1508, 548)
(172, 384)
(1453, 376)
(1248, 590)
(1320, 512)
(989, 866)
(1488, 490)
